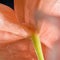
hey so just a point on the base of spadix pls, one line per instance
(37, 46)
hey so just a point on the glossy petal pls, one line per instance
(49, 33)
(21, 50)
(9, 25)
(51, 7)
(24, 49)
(48, 28)
(26, 14)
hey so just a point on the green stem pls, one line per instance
(37, 45)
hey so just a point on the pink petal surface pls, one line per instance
(23, 49)
(9, 25)
(49, 33)
(51, 7)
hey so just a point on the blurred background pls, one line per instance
(10, 3)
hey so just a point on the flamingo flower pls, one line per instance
(30, 22)
(10, 29)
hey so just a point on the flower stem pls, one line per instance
(37, 46)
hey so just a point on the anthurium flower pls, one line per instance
(26, 15)
(35, 13)
(9, 26)
(11, 30)
(23, 49)
(31, 13)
